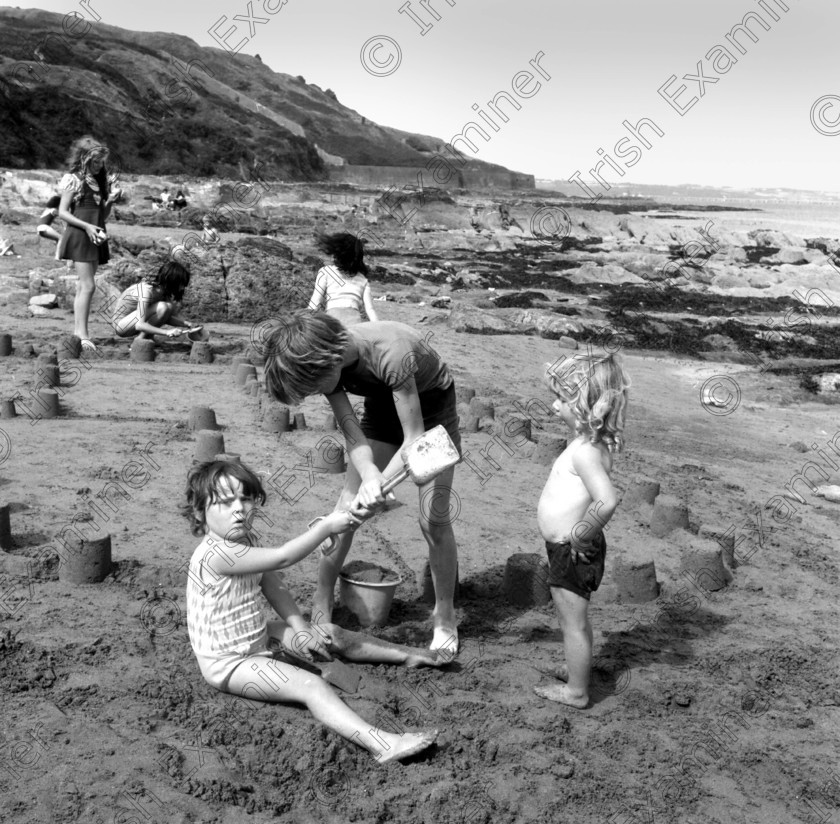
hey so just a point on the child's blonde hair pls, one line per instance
(302, 348)
(595, 387)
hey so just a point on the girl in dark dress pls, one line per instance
(86, 201)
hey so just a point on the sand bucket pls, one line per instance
(199, 335)
(369, 600)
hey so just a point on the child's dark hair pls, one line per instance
(203, 489)
(172, 279)
(346, 250)
(54, 202)
(302, 348)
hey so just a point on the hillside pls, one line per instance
(172, 107)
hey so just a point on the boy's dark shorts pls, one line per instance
(583, 577)
(380, 421)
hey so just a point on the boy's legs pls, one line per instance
(264, 679)
(323, 600)
(577, 641)
(436, 524)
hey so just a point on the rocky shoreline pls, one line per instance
(690, 282)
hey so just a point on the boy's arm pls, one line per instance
(407, 403)
(358, 449)
(587, 462)
(240, 559)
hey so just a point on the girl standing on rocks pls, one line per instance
(86, 200)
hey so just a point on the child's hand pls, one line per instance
(342, 520)
(310, 643)
(174, 333)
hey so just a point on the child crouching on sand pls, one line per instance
(229, 634)
(577, 502)
(146, 307)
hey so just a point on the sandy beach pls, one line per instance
(715, 701)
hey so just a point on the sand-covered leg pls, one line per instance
(356, 646)
(264, 679)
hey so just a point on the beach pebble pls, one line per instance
(563, 770)
(799, 446)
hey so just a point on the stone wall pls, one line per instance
(477, 177)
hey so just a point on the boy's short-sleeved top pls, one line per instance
(390, 353)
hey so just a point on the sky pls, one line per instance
(754, 114)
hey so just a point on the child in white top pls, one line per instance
(577, 502)
(209, 234)
(47, 218)
(343, 287)
(229, 634)
(145, 308)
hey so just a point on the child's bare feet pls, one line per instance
(562, 694)
(445, 642)
(426, 658)
(404, 746)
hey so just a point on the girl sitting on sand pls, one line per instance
(229, 633)
(144, 308)
(343, 286)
